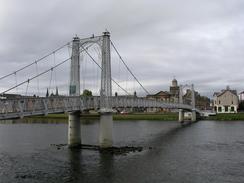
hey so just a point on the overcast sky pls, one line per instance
(197, 41)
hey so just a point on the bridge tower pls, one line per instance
(181, 112)
(193, 103)
(74, 131)
(106, 118)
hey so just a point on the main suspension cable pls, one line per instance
(101, 69)
(28, 80)
(36, 61)
(128, 67)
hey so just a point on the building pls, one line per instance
(225, 101)
(241, 96)
(169, 96)
(172, 95)
(202, 102)
(174, 90)
(162, 96)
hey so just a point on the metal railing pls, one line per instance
(30, 106)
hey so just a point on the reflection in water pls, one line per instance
(75, 161)
(167, 137)
(106, 166)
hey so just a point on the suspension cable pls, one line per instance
(39, 74)
(55, 75)
(28, 80)
(38, 85)
(101, 69)
(36, 61)
(16, 82)
(128, 67)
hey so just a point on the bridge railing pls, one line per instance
(27, 106)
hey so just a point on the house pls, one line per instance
(241, 96)
(225, 101)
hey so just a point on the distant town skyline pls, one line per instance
(195, 41)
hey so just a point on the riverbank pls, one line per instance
(227, 117)
(137, 116)
(146, 116)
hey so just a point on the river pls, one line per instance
(206, 151)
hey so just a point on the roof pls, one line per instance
(216, 93)
(224, 91)
(159, 93)
(162, 93)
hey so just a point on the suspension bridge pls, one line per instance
(72, 102)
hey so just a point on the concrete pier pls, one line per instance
(106, 130)
(193, 116)
(181, 116)
(74, 132)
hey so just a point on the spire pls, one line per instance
(56, 94)
(47, 94)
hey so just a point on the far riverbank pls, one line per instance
(147, 116)
(136, 116)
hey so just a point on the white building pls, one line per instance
(226, 101)
(241, 96)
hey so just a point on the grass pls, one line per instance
(146, 116)
(158, 116)
(228, 117)
(138, 116)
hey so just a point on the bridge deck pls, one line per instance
(21, 107)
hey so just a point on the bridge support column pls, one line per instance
(106, 130)
(193, 116)
(74, 132)
(106, 118)
(181, 115)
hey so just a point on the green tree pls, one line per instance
(241, 106)
(86, 93)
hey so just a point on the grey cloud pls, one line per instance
(197, 41)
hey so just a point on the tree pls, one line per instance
(241, 106)
(87, 93)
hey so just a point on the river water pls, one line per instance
(206, 151)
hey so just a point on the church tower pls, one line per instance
(174, 89)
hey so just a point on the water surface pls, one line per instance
(206, 151)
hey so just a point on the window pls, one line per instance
(219, 101)
(219, 109)
(232, 108)
(232, 102)
(215, 108)
(226, 108)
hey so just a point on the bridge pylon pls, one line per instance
(74, 131)
(106, 118)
